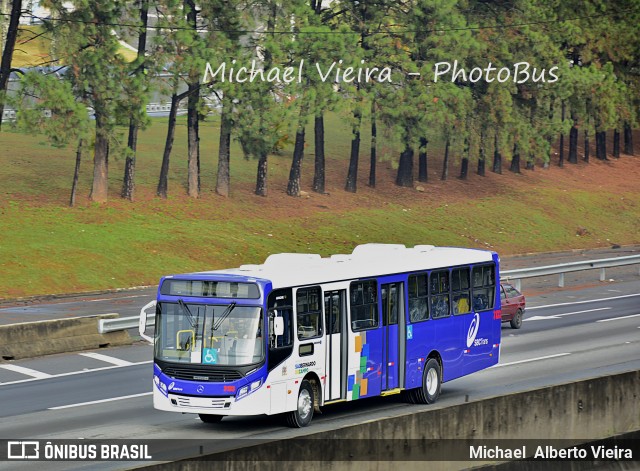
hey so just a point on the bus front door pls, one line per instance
(393, 325)
(336, 359)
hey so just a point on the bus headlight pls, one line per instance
(248, 389)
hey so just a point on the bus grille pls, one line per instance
(209, 375)
(202, 403)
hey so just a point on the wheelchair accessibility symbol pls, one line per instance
(210, 356)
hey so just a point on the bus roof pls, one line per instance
(368, 260)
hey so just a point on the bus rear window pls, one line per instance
(210, 289)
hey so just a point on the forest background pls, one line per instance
(222, 180)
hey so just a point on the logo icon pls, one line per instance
(23, 450)
(473, 330)
(200, 388)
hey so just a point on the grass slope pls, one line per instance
(46, 247)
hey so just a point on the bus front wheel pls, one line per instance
(210, 419)
(431, 382)
(302, 415)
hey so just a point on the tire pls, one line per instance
(408, 395)
(301, 417)
(516, 322)
(210, 419)
(431, 383)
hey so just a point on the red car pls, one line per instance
(513, 305)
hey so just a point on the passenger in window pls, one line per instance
(461, 304)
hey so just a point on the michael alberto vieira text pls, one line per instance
(337, 72)
(548, 452)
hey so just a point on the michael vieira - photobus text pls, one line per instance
(340, 72)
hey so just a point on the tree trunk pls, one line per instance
(198, 149)
(616, 143)
(423, 163)
(192, 139)
(497, 157)
(405, 168)
(193, 87)
(482, 157)
(99, 189)
(319, 165)
(293, 187)
(515, 160)
(352, 174)
(628, 139)
(128, 182)
(168, 146)
(561, 152)
(586, 146)
(261, 179)
(223, 179)
(464, 167)
(531, 163)
(601, 145)
(445, 162)
(573, 143)
(374, 144)
(7, 53)
(76, 173)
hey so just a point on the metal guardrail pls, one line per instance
(561, 269)
(124, 323)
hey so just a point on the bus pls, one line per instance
(300, 331)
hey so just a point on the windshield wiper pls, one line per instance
(186, 310)
(224, 315)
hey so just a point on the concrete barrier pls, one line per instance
(577, 412)
(31, 339)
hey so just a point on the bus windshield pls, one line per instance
(208, 334)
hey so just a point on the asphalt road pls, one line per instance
(566, 336)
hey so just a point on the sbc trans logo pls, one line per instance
(473, 330)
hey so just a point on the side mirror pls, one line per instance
(142, 326)
(278, 326)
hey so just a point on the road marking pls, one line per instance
(580, 312)
(539, 318)
(531, 359)
(72, 373)
(559, 316)
(583, 302)
(106, 358)
(100, 401)
(26, 371)
(618, 318)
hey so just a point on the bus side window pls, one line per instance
(364, 305)
(484, 287)
(418, 298)
(440, 294)
(460, 290)
(309, 313)
(281, 305)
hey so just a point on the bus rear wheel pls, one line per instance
(431, 383)
(301, 417)
(210, 419)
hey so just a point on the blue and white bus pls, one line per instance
(300, 331)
